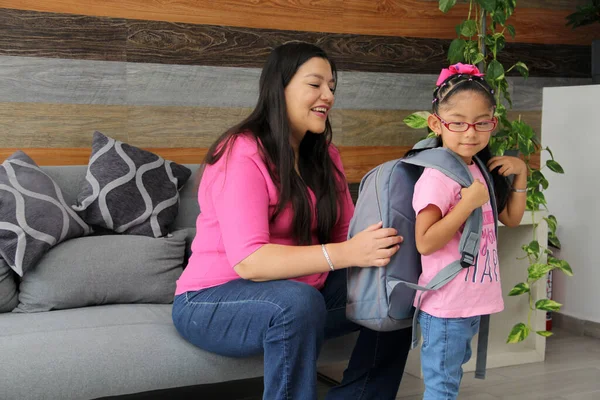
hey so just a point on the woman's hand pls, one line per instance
(373, 247)
(508, 165)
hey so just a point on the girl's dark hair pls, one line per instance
(268, 124)
(442, 96)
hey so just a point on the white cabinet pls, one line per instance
(513, 271)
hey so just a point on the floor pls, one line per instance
(571, 372)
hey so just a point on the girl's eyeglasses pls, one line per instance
(481, 126)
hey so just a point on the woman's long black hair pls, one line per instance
(460, 83)
(269, 125)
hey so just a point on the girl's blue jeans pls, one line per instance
(288, 321)
(446, 347)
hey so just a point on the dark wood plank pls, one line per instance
(409, 18)
(174, 43)
(28, 33)
(550, 60)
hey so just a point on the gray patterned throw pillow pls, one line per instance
(33, 213)
(130, 190)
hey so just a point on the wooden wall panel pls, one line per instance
(549, 4)
(58, 125)
(357, 160)
(26, 33)
(68, 125)
(190, 126)
(51, 80)
(47, 80)
(410, 18)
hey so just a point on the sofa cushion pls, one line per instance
(8, 288)
(130, 190)
(108, 269)
(111, 350)
(33, 213)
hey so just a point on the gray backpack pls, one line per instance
(382, 299)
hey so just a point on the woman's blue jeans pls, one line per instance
(288, 321)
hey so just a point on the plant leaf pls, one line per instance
(538, 198)
(555, 167)
(547, 305)
(456, 52)
(480, 57)
(500, 44)
(498, 16)
(565, 267)
(497, 147)
(519, 289)
(468, 28)
(495, 71)
(552, 223)
(518, 333)
(523, 69)
(417, 120)
(511, 30)
(526, 146)
(545, 333)
(446, 5)
(488, 5)
(538, 270)
(553, 241)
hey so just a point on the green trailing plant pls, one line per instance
(585, 15)
(480, 38)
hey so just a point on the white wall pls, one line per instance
(571, 128)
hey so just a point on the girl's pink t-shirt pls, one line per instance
(475, 290)
(237, 198)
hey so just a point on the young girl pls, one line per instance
(463, 119)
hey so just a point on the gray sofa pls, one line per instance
(114, 349)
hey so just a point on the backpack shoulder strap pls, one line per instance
(451, 165)
(490, 184)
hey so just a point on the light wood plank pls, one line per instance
(378, 128)
(59, 125)
(191, 126)
(410, 18)
(48, 80)
(41, 80)
(527, 93)
(71, 125)
(548, 4)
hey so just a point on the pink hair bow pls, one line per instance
(459, 68)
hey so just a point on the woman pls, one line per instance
(266, 274)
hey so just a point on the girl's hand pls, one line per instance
(373, 247)
(508, 165)
(475, 195)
